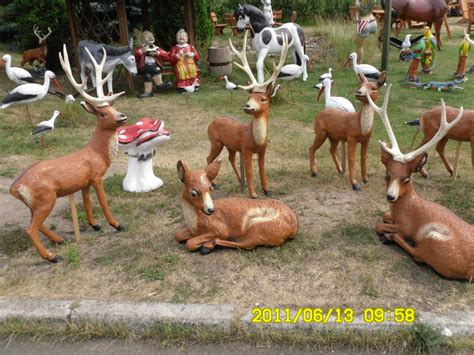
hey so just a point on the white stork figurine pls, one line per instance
(326, 75)
(17, 75)
(368, 70)
(337, 102)
(47, 125)
(229, 85)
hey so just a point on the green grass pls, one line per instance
(73, 257)
(13, 241)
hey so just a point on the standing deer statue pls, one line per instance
(229, 222)
(350, 127)
(430, 122)
(39, 53)
(42, 183)
(247, 138)
(430, 233)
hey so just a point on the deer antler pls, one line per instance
(246, 67)
(47, 35)
(395, 150)
(101, 99)
(37, 32)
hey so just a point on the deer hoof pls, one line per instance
(205, 251)
(384, 239)
(314, 174)
(356, 187)
(120, 227)
(267, 193)
(366, 181)
(56, 259)
(96, 227)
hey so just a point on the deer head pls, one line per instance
(399, 166)
(108, 117)
(38, 34)
(369, 88)
(198, 185)
(260, 94)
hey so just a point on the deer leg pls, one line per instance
(86, 199)
(262, 173)
(248, 243)
(99, 188)
(56, 239)
(260, 64)
(318, 141)
(351, 143)
(333, 150)
(413, 251)
(387, 217)
(38, 215)
(247, 155)
(233, 163)
(216, 149)
(386, 231)
(363, 161)
(184, 234)
(440, 149)
(198, 241)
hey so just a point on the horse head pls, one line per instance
(249, 14)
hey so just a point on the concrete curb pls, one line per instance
(140, 316)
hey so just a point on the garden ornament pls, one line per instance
(340, 103)
(369, 71)
(464, 49)
(438, 85)
(267, 11)
(268, 40)
(429, 11)
(366, 24)
(406, 46)
(430, 233)
(37, 54)
(230, 86)
(17, 75)
(150, 61)
(247, 138)
(350, 127)
(418, 51)
(42, 183)
(45, 126)
(229, 222)
(429, 124)
(183, 57)
(114, 56)
(139, 142)
(427, 60)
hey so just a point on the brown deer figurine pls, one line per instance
(430, 233)
(229, 222)
(42, 183)
(247, 138)
(350, 127)
(39, 53)
(429, 124)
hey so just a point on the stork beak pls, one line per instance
(58, 86)
(321, 91)
(221, 78)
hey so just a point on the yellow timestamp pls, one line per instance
(332, 315)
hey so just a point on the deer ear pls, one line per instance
(88, 107)
(182, 169)
(382, 79)
(416, 164)
(386, 157)
(270, 88)
(362, 78)
(213, 169)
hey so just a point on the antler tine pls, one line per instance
(277, 68)
(382, 112)
(99, 81)
(245, 64)
(37, 32)
(442, 131)
(49, 32)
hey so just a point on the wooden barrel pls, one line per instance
(220, 60)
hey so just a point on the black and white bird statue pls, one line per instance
(229, 85)
(46, 125)
(326, 75)
(368, 70)
(17, 75)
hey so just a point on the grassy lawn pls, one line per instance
(335, 261)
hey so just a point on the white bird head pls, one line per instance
(50, 74)
(56, 113)
(6, 58)
(353, 56)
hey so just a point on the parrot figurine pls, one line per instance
(464, 49)
(427, 61)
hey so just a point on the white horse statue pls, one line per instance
(269, 40)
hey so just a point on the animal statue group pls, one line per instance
(41, 184)
(114, 56)
(267, 40)
(229, 222)
(351, 127)
(247, 138)
(430, 233)
(37, 54)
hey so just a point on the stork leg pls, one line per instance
(28, 114)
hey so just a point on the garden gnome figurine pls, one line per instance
(267, 11)
(150, 60)
(366, 24)
(464, 49)
(139, 141)
(183, 57)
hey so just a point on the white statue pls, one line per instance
(267, 11)
(139, 141)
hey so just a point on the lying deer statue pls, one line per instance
(247, 138)
(430, 233)
(42, 183)
(350, 127)
(229, 222)
(39, 53)
(429, 123)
